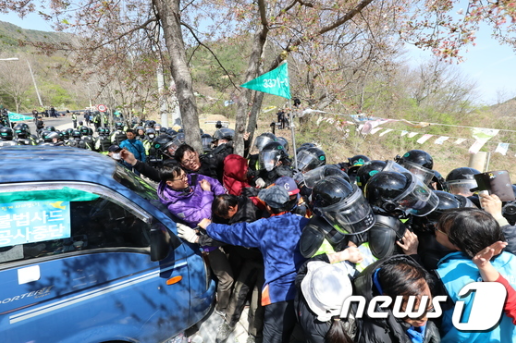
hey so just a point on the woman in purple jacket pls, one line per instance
(188, 197)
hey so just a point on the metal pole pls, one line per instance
(35, 86)
(293, 132)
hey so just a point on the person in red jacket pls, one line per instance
(235, 174)
(490, 274)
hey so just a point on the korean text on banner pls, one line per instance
(33, 221)
(274, 82)
(482, 135)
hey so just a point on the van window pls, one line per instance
(47, 222)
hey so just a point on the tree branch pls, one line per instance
(208, 48)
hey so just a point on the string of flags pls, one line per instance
(372, 125)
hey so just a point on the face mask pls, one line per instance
(116, 156)
(151, 136)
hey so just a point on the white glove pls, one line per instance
(187, 233)
(260, 183)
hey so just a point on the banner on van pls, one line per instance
(28, 222)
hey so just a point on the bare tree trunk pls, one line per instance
(253, 68)
(170, 18)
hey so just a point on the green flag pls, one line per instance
(17, 117)
(274, 82)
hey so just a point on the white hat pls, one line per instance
(325, 287)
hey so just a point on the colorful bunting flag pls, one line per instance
(482, 135)
(375, 130)
(424, 138)
(441, 140)
(502, 148)
(459, 141)
(404, 132)
(412, 134)
(386, 131)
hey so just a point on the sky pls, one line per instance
(490, 64)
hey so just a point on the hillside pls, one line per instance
(11, 36)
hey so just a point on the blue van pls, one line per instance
(89, 254)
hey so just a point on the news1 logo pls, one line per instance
(488, 300)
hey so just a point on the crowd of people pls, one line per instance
(294, 242)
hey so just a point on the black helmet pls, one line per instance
(392, 192)
(108, 131)
(6, 134)
(305, 146)
(218, 125)
(50, 128)
(446, 201)
(418, 157)
(76, 133)
(206, 140)
(310, 158)
(270, 154)
(84, 130)
(284, 143)
(342, 205)
(139, 128)
(151, 133)
(69, 131)
(368, 170)
(310, 178)
(358, 160)
(48, 136)
(263, 139)
(101, 131)
(164, 130)
(438, 179)
(171, 132)
(418, 162)
(22, 130)
(180, 131)
(119, 126)
(224, 134)
(461, 181)
(150, 124)
(90, 131)
(162, 143)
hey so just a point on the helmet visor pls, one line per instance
(269, 159)
(462, 187)
(261, 141)
(206, 141)
(311, 177)
(353, 215)
(305, 161)
(418, 199)
(422, 173)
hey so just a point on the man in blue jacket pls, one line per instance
(277, 237)
(134, 146)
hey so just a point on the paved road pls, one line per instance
(60, 123)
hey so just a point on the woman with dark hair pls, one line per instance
(469, 231)
(188, 196)
(396, 276)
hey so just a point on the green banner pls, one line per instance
(17, 117)
(274, 82)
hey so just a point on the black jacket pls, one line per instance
(389, 330)
(151, 172)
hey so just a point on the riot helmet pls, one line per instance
(264, 139)
(108, 131)
(367, 170)
(395, 192)
(419, 163)
(119, 126)
(6, 134)
(22, 130)
(84, 131)
(305, 146)
(151, 133)
(206, 140)
(171, 132)
(162, 142)
(438, 182)
(446, 201)
(358, 160)
(50, 128)
(310, 158)
(310, 178)
(342, 205)
(76, 133)
(163, 130)
(284, 143)
(461, 180)
(49, 136)
(270, 155)
(101, 131)
(223, 134)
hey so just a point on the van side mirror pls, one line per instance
(159, 244)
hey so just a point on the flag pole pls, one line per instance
(293, 132)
